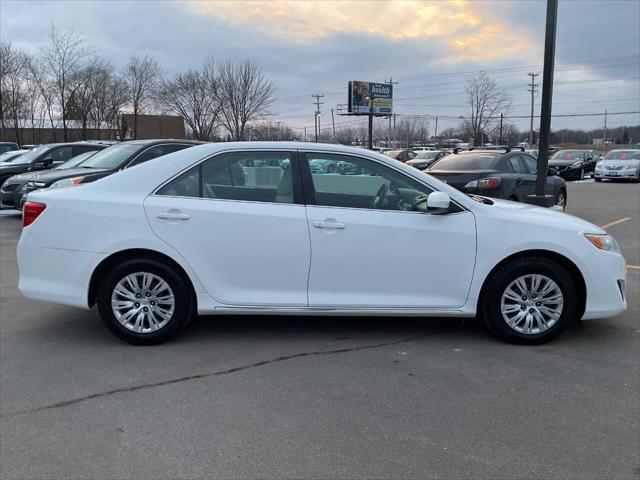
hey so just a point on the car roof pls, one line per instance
(159, 141)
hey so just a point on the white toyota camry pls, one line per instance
(248, 228)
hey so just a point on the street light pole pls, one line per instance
(370, 142)
(500, 141)
(540, 197)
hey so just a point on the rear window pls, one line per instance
(623, 155)
(467, 161)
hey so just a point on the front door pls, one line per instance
(369, 249)
(240, 223)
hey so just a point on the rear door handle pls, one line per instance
(335, 225)
(173, 216)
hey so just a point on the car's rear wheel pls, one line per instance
(561, 199)
(144, 301)
(529, 301)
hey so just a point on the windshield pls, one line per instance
(467, 161)
(427, 155)
(112, 157)
(623, 155)
(568, 155)
(30, 156)
(75, 161)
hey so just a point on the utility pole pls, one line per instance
(500, 141)
(540, 197)
(532, 89)
(604, 140)
(371, 122)
(390, 82)
(436, 132)
(317, 114)
(305, 134)
(333, 122)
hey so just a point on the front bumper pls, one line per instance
(11, 198)
(617, 174)
(606, 281)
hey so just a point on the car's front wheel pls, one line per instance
(529, 301)
(144, 301)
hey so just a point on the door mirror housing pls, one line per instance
(552, 172)
(438, 203)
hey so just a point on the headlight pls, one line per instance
(599, 166)
(603, 242)
(67, 182)
(575, 164)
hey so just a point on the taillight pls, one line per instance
(489, 182)
(31, 211)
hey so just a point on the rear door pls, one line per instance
(525, 181)
(369, 250)
(239, 220)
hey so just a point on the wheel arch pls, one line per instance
(138, 253)
(560, 259)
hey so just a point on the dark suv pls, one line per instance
(499, 174)
(43, 157)
(110, 160)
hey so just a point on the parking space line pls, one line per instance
(622, 220)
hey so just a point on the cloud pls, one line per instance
(467, 31)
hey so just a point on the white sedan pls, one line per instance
(249, 228)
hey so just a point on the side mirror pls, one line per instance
(552, 172)
(438, 203)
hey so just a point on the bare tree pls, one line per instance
(487, 101)
(142, 75)
(14, 74)
(266, 131)
(63, 57)
(192, 94)
(244, 95)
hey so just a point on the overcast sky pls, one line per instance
(429, 47)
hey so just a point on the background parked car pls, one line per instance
(44, 157)
(8, 147)
(9, 156)
(401, 155)
(425, 159)
(323, 166)
(508, 175)
(574, 164)
(533, 153)
(110, 160)
(13, 189)
(619, 165)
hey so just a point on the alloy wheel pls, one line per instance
(142, 302)
(532, 304)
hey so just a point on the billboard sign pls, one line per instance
(382, 94)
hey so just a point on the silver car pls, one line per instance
(623, 164)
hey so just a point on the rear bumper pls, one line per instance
(55, 275)
(606, 280)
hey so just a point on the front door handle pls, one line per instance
(173, 216)
(334, 225)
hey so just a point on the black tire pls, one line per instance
(331, 169)
(184, 308)
(556, 201)
(490, 310)
(598, 179)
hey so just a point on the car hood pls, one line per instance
(619, 163)
(55, 175)
(22, 177)
(544, 216)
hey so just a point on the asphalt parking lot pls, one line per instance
(294, 397)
